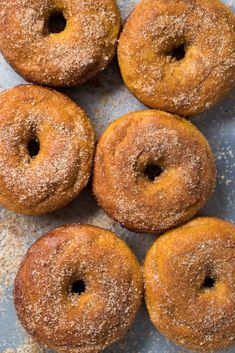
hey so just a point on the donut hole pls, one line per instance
(56, 22)
(178, 52)
(152, 171)
(78, 287)
(33, 147)
(208, 283)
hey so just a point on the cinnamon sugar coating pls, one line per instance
(137, 142)
(46, 149)
(190, 284)
(66, 321)
(71, 57)
(179, 56)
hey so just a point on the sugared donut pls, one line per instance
(179, 56)
(190, 284)
(59, 42)
(46, 149)
(153, 171)
(78, 289)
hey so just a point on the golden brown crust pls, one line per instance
(69, 58)
(66, 321)
(61, 169)
(206, 28)
(181, 304)
(151, 137)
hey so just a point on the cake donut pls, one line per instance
(190, 284)
(59, 42)
(153, 171)
(46, 149)
(78, 289)
(179, 56)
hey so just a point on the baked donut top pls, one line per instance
(122, 180)
(46, 149)
(74, 318)
(179, 56)
(83, 48)
(190, 284)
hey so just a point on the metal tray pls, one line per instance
(105, 99)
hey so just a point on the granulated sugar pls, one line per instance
(28, 346)
(13, 243)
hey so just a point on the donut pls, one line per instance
(78, 289)
(46, 149)
(59, 42)
(153, 171)
(179, 56)
(189, 278)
